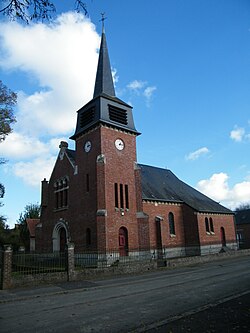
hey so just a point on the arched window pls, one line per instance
(88, 237)
(171, 223)
(61, 187)
(206, 224)
(211, 224)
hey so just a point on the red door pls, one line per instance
(123, 241)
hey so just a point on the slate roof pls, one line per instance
(104, 81)
(162, 185)
(71, 155)
(242, 216)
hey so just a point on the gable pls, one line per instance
(162, 185)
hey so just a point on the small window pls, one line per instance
(87, 182)
(57, 200)
(65, 198)
(88, 237)
(126, 197)
(171, 223)
(116, 195)
(121, 196)
(207, 224)
(211, 224)
(61, 198)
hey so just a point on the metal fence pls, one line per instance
(36, 263)
(93, 259)
(32, 263)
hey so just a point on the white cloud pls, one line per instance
(237, 134)
(115, 76)
(196, 154)
(148, 92)
(217, 188)
(18, 146)
(61, 58)
(33, 172)
(141, 89)
(54, 55)
(136, 85)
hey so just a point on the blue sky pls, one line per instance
(184, 66)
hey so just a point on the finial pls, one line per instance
(103, 19)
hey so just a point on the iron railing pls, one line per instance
(92, 259)
(33, 263)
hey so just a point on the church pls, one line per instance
(101, 199)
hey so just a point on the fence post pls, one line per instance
(6, 280)
(70, 258)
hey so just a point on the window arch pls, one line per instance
(60, 236)
(171, 223)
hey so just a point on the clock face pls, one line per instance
(87, 146)
(119, 144)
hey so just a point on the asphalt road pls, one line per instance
(201, 298)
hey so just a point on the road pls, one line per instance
(141, 303)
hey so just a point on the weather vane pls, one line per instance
(103, 19)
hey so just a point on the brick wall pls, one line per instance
(94, 207)
(213, 238)
(162, 210)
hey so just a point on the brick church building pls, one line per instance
(99, 198)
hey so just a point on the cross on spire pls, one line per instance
(103, 19)
(104, 82)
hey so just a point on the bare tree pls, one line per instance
(34, 10)
(242, 207)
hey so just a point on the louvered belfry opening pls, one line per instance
(87, 117)
(118, 115)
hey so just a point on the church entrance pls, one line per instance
(123, 241)
(223, 236)
(59, 237)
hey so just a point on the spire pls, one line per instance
(104, 81)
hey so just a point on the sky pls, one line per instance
(183, 65)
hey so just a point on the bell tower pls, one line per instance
(105, 138)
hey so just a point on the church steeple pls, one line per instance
(105, 108)
(104, 81)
